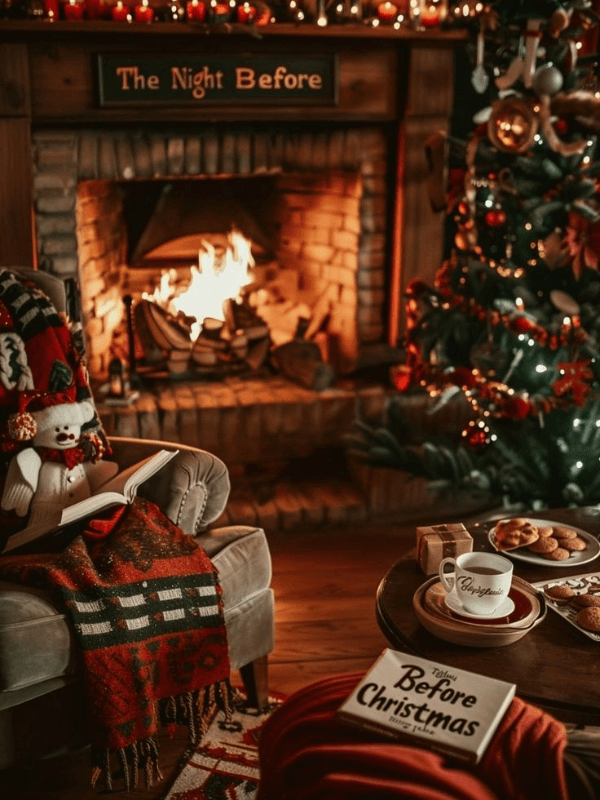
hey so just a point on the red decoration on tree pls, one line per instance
(476, 435)
(495, 218)
(461, 376)
(522, 324)
(402, 378)
(575, 380)
(561, 126)
(517, 407)
(583, 241)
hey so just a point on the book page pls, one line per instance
(126, 482)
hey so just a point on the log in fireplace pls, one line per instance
(329, 189)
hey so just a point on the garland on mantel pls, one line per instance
(397, 14)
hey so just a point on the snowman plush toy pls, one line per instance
(61, 466)
(52, 445)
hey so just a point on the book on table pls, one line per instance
(121, 489)
(427, 703)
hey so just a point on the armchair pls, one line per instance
(41, 705)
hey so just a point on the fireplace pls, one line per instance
(320, 201)
(337, 191)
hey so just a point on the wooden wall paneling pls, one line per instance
(418, 231)
(16, 193)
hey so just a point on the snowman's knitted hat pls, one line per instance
(39, 411)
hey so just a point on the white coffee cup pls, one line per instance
(481, 581)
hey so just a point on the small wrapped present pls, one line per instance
(439, 541)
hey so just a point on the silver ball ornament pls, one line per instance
(547, 80)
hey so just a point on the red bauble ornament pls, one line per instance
(495, 218)
(402, 378)
(561, 126)
(517, 408)
(476, 435)
(521, 325)
(462, 376)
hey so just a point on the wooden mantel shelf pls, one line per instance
(25, 29)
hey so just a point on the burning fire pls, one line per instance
(219, 276)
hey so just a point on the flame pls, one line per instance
(219, 276)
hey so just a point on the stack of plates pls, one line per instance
(429, 602)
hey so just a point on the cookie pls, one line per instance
(544, 531)
(543, 545)
(576, 544)
(560, 554)
(586, 600)
(589, 618)
(560, 594)
(515, 532)
(562, 532)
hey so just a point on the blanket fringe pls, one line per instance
(193, 709)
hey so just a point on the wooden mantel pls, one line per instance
(402, 80)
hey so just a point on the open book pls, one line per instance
(119, 490)
(436, 706)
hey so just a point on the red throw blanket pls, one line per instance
(306, 753)
(146, 607)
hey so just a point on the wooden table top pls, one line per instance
(554, 666)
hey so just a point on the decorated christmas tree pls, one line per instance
(511, 323)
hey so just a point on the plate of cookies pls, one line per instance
(543, 543)
(577, 599)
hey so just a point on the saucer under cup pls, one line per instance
(505, 608)
(481, 581)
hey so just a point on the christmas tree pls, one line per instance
(511, 324)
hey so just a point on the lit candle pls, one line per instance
(143, 12)
(196, 11)
(51, 10)
(265, 16)
(73, 10)
(387, 12)
(246, 13)
(220, 11)
(120, 12)
(430, 16)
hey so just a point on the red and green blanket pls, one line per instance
(145, 603)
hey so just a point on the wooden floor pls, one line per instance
(325, 583)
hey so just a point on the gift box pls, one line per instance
(439, 541)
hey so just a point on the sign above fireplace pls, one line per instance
(190, 79)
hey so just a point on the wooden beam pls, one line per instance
(418, 230)
(16, 190)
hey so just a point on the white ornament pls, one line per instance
(564, 303)
(547, 80)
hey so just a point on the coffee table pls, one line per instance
(554, 666)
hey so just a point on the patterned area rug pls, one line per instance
(225, 766)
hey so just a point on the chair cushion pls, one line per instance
(241, 555)
(37, 642)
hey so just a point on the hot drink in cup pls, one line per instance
(481, 581)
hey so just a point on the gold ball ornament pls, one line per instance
(512, 125)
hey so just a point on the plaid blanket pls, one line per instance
(145, 604)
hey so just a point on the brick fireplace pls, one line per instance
(331, 213)
(352, 222)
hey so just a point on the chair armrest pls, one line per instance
(192, 489)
